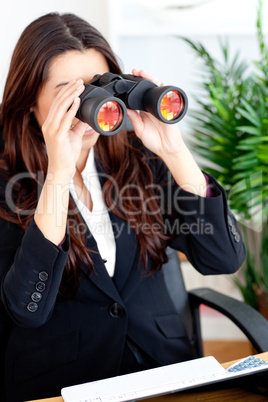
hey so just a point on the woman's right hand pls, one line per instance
(64, 143)
(64, 140)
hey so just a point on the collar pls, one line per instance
(90, 167)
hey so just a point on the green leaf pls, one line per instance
(253, 141)
(255, 120)
(250, 130)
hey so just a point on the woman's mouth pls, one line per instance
(89, 131)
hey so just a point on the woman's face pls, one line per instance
(64, 68)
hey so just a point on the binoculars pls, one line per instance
(105, 100)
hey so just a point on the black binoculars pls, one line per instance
(105, 100)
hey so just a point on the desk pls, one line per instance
(215, 392)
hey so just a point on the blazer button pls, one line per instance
(43, 276)
(116, 310)
(237, 238)
(40, 286)
(36, 297)
(233, 230)
(230, 222)
(32, 307)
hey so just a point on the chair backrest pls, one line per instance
(179, 295)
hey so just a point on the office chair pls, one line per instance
(250, 322)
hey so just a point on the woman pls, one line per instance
(86, 219)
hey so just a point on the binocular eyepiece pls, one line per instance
(105, 100)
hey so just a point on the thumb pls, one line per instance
(136, 121)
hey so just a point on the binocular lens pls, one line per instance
(171, 105)
(110, 116)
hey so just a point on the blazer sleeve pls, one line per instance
(31, 269)
(203, 228)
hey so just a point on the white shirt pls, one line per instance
(98, 221)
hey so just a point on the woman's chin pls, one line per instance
(90, 138)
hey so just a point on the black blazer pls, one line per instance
(54, 343)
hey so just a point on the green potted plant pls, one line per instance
(230, 132)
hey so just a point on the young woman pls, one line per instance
(86, 220)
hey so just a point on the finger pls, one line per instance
(68, 93)
(69, 116)
(63, 93)
(80, 127)
(62, 106)
(143, 74)
(67, 89)
(136, 121)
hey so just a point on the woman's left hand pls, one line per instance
(165, 140)
(158, 137)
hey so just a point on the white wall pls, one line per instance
(15, 15)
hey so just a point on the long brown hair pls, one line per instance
(24, 151)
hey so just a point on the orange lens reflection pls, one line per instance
(110, 116)
(171, 105)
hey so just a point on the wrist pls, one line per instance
(52, 207)
(185, 171)
(59, 176)
(175, 155)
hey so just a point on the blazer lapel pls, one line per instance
(100, 276)
(126, 249)
(125, 239)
